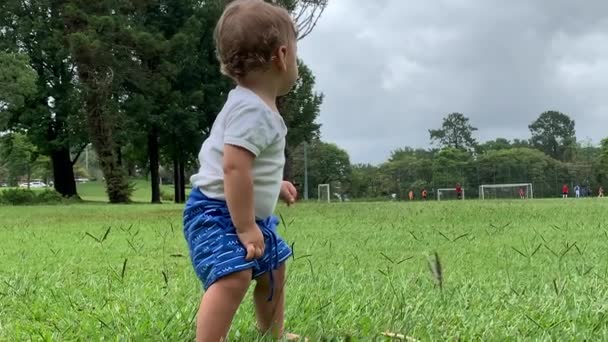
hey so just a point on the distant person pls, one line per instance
(394, 196)
(600, 192)
(577, 191)
(425, 194)
(522, 193)
(458, 191)
(565, 191)
(411, 195)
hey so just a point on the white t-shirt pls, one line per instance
(245, 121)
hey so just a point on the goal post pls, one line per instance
(506, 191)
(449, 194)
(324, 193)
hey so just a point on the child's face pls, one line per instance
(288, 65)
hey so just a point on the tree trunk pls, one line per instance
(176, 181)
(179, 184)
(117, 183)
(97, 79)
(153, 155)
(288, 169)
(100, 131)
(182, 177)
(63, 173)
(118, 155)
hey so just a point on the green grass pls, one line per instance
(512, 270)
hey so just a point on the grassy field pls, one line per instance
(95, 191)
(511, 270)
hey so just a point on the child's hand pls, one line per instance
(253, 240)
(289, 194)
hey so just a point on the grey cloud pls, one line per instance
(392, 69)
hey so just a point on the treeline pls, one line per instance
(116, 90)
(137, 82)
(549, 158)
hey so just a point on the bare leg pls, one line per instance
(218, 306)
(270, 315)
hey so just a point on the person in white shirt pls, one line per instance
(228, 221)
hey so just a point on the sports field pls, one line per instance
(510, 269)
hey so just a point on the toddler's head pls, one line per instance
(254, 39)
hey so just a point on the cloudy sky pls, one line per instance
(392, 69)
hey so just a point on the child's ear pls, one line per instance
(282, 57)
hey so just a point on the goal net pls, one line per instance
(324, 193)
(449, 194)
(506, 191)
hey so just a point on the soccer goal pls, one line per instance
(506, 191)
(448, 194)
(324, 193)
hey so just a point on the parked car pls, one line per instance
(33, 184)
(37, 184)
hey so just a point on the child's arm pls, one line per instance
(238, 189)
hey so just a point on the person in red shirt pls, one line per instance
(425, 194)
(565, 191)
(458, 191)
(522, 194)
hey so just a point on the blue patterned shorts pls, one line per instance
(216, 251)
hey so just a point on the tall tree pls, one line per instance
(450, 166)
(455, 132)
(300, 109)
(175, 90)
(18, 156)
(148, 89)
(100, 37)
(554, 133)
(181, 89)
(52, 116)
(407, 169)
(327, 164)
(197, 89)
(364, 181)
(17, 82)
(200, 91)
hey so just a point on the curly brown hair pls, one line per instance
(248, 34)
